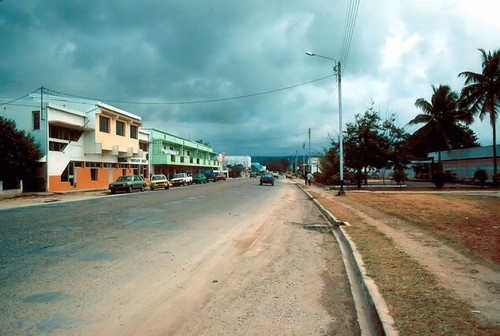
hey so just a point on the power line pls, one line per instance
(350, 22)
(195, 101)
(352, 13)
(16, 99)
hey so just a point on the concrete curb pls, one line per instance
(373, 314)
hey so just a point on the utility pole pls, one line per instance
(309, 168)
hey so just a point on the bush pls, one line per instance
(439, 179)
(399, 176)
(481, 175)
(496, 179)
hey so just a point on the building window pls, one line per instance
(36, 120)
(133, 132)
(57, 146)
(120, 128)
(93, 164)
(104, 124)
(93, 174)
(64, 133)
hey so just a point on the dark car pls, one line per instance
(128, 183)
(199, 178)
(210, 175)
(267, 178)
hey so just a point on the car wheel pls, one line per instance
(142, 188)
(129, 189)
(113, 191)
(260, 183)
(167, 187)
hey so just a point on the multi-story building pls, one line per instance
(170, 154)
(85, 144)
(88, 144)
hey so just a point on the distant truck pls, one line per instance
(181, 179)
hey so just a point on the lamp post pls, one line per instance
(338, 70)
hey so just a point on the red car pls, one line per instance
(220, 177)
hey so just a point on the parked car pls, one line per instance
(253, 174)
(181, 179)
(220, 177)
(199, 178)
(159, 181)
(276, 174)
(128, 183)
(267, 178)
(210, 175)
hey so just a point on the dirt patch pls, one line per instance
(434, 256)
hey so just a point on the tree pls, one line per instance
(18, 152)
(481, 93)
(329, 165)
(443, 119)
(276, 164)
(371, 142)
(236, 170)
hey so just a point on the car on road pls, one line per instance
(128, 183)
(181, 179)
(199, 178)
(276, 174)
(158, 181)
(267, 178)
(210, 175)
(220, 177)
(253, 174)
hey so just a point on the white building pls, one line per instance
(245, 161)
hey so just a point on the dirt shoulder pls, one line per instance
(428, 250)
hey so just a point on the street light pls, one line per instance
(338, 70)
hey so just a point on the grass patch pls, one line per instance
(417, 302)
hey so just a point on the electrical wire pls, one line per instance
(16, 99)
(351, 16)
(196, 101)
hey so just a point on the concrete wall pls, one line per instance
(11, 192)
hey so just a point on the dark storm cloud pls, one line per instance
(153, 52)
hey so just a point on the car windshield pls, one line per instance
(124, 179)
(178, 175)
(157, 177)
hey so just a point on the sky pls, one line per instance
(234, 73)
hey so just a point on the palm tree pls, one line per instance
(481, 93)
(442, 117)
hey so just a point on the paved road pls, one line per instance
(146, 263)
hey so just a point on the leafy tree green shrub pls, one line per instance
(439, 179)
(496, 179)
(399, 176)
(19, 154)
(481, 175)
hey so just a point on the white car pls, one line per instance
(276, 174)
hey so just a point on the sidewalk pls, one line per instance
(34, 198)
